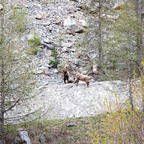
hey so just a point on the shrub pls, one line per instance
(56, 60)
(124, 126)
(34, 43)
(35, 40)
(21, 20)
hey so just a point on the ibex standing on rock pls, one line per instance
(82, 77)
(66, 74)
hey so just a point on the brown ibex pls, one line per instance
(82, 77)
(66, 74)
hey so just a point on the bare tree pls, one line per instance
(15, 65)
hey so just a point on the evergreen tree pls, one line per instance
(56, 57)
(94, 39)
(126, 43)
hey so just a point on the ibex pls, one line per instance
(82, 77)
(66, 74)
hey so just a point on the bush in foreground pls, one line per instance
(124, 126)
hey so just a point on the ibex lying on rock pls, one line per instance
(82, 77)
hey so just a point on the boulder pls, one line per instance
(71, 124)
(57, 20)
(47, 23)
(112, 17)
(78, 55)
(40, 72)
(83, 23)
(48, 41)
(42, 139)
(119, 4)
(76, 62)
(55, 71)
(77, 29)
(24, 136)
(65, 49)
(73, 25)
(37, 5)
(47, 46)
(67, 44)
(1, 7)
(71, 80)
(49, 53)
(40, 15)
(95, 69)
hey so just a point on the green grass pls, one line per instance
(89, 130)
(35, 41)
(57, 132)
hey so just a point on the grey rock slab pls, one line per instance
(24, 136)
(78, 100)
(60, 101)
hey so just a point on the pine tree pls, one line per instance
(56, 57)
(126, 43)
(94, 39)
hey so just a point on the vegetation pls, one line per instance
(34, 43)
(124, 124)
(57, 131)
(19, 20)
(56, 57)
(114, 37)
(15, 65)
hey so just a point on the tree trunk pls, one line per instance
(1, 119)
(2, 95)
(100, 34)
(2, 105)
(141, 44)
(140, 36)
(130, 87)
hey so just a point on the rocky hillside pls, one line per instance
(61, 23)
